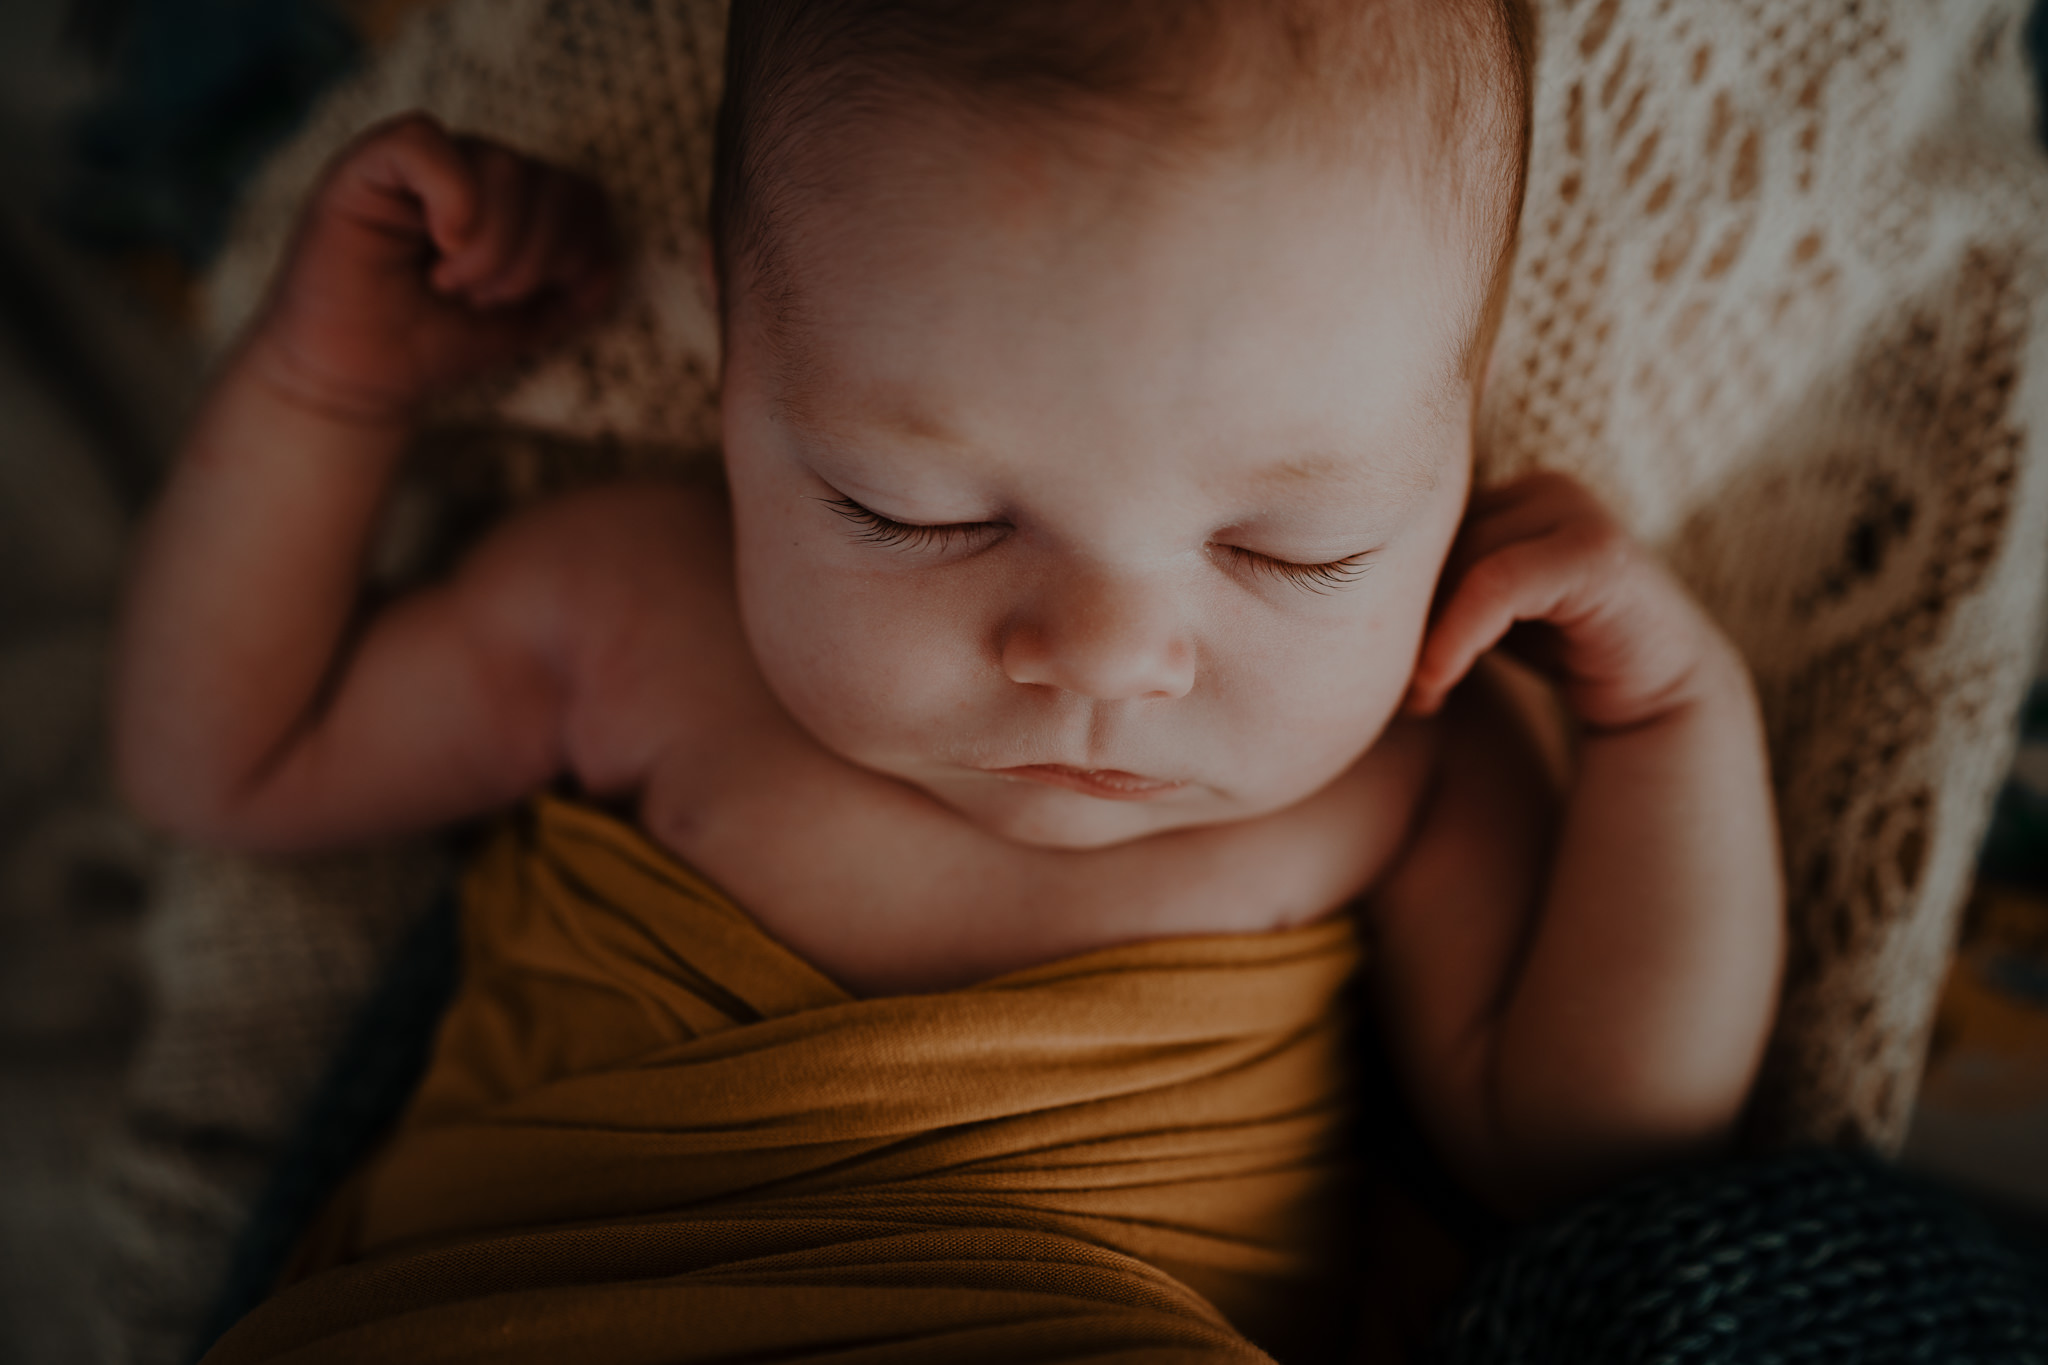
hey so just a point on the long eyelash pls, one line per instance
(876, 529)
(1338, 573)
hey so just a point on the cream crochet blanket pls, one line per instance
(1775, 299)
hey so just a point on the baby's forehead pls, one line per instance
(1279, 386)
(943, 244)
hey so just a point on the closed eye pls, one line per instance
(872, 528)
(875, 529)
(1338, 573)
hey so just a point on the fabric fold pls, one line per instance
(651, 1131)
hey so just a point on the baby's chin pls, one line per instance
(1039, 816)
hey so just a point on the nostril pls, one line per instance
(1104, 638)
(1140, 673)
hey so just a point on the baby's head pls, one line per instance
(1099, 381)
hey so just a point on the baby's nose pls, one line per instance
(1105, 636)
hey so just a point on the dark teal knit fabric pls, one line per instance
(1819, 1257)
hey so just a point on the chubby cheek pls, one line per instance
(1311, 701)
(865, 660)
(871, 664)
(1309, 695)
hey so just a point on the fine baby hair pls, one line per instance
(1442, 86)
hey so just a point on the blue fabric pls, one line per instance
(1805, 1256)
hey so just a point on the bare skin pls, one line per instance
(1577, 981)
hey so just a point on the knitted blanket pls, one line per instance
(1775, 296)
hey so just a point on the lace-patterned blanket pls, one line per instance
(1775, 299)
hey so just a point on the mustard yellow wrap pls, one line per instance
(650, 1132)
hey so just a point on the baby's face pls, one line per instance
(1096, 502)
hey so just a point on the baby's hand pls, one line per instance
(1586, 990)
(423, 260)
(1540, 567)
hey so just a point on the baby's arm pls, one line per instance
(1578, 1001)
(251, 706)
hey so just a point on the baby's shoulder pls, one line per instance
(600, 540)
(630, 585)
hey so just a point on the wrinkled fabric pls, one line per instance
(651, 1132)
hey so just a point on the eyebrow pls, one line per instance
(1410, 474)
(896, 415)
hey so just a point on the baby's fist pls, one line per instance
(423, 260)
(1541, 567)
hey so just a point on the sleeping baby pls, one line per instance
(930, 863)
